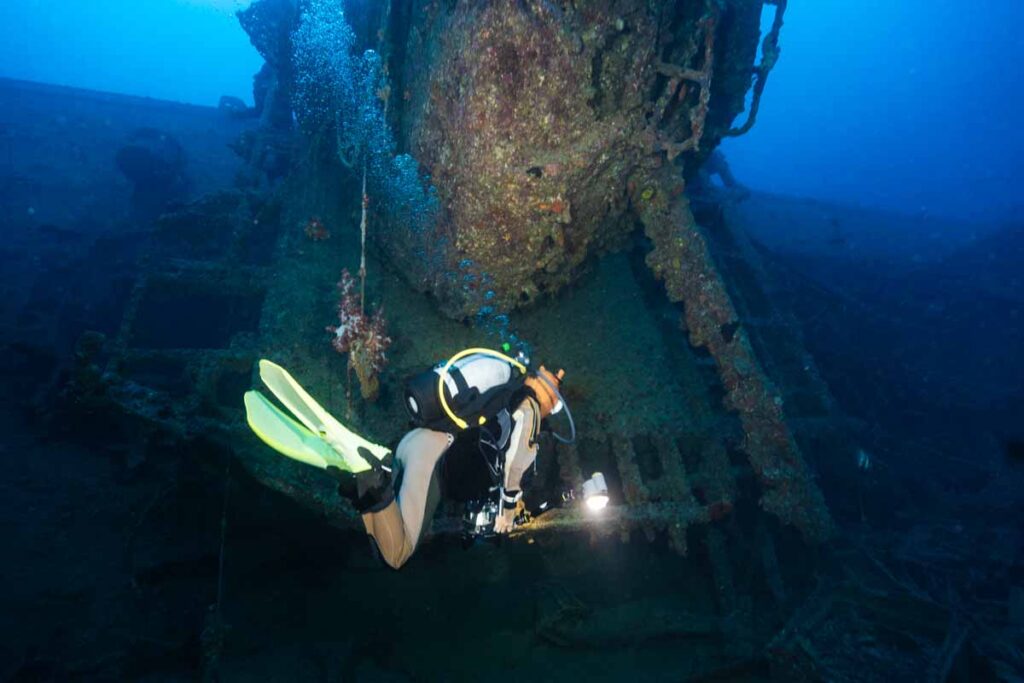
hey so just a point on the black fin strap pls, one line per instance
(369, 491)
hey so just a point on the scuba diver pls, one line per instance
(476, 421)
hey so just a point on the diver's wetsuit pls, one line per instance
(425, 471)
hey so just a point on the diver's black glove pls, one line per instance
(369, 491)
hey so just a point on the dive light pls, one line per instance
(595, 492)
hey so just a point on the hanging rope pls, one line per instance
(214, 631)
(362, 247)
(223, 534)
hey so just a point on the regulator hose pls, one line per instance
(568, 413)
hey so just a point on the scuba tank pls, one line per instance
(466, 391)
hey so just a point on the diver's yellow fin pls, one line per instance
(285, 435)
(344, 442)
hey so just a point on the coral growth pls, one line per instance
(363, 337)
(530, 117)
(316, 230)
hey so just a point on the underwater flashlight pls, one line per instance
(595, 492)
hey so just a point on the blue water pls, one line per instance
(131, 47)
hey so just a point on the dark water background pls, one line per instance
(885, 178)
